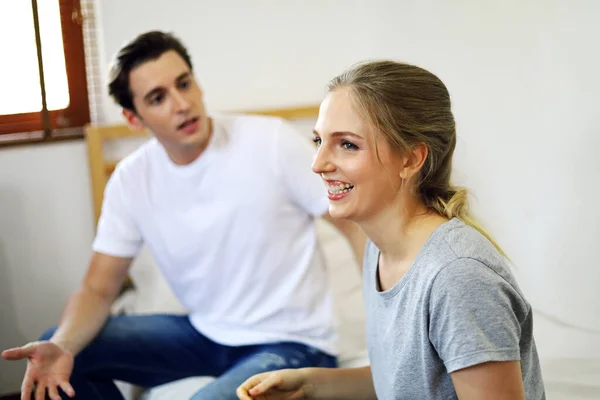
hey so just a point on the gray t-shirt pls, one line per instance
(457, 306)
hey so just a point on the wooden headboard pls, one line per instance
(101, 168)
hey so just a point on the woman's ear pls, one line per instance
(413, 161)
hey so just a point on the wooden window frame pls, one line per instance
(59, 124)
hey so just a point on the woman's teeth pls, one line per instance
(342, 188)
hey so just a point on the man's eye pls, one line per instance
(156, 99)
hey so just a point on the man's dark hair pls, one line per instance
(145, 47)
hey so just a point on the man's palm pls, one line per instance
(49, 366)
(50, 361)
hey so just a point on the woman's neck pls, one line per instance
(401, 230)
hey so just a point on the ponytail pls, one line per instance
(454, 203)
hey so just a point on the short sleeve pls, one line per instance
(474, 316)
(294, 157)
(117, 234)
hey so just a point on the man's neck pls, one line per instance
(187, 155)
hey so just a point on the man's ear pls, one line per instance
(133, 120)
(414, 160)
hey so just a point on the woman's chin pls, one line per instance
(337, 212)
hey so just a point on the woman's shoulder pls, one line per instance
(457, 240)
(470, 257)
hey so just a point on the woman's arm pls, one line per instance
(342, 383)
(500, 380)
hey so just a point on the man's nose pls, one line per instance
(182, 104)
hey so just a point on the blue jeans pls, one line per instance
(150, 350)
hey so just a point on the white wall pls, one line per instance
(46, 228)
(523, 78)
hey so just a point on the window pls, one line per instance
(43, 77)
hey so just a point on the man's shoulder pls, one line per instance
(245, 124)
(135, 163)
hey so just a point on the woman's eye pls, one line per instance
(349, 146)
(317, 141)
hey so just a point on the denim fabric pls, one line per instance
(150, 350)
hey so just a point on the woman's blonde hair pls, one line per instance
(410, 106)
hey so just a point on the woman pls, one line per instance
(445, 317)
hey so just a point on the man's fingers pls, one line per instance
(19, 353)
(53, 391)
(13, 354)
(26, 388)
(67, 388)
(40, 391)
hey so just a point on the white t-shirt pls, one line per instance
(233, 232)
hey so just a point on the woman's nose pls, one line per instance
(321, 162)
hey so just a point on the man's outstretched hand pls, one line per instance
(49, 367)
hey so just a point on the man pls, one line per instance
(227, 206)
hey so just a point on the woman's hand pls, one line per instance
(286, 384)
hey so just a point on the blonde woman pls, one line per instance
(445, 317)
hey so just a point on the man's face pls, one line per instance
(168, 101)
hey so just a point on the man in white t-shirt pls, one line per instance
(227, 206)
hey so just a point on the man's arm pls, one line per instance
(117, 234)
(89, 307)
(353, 233)
(490, 381)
